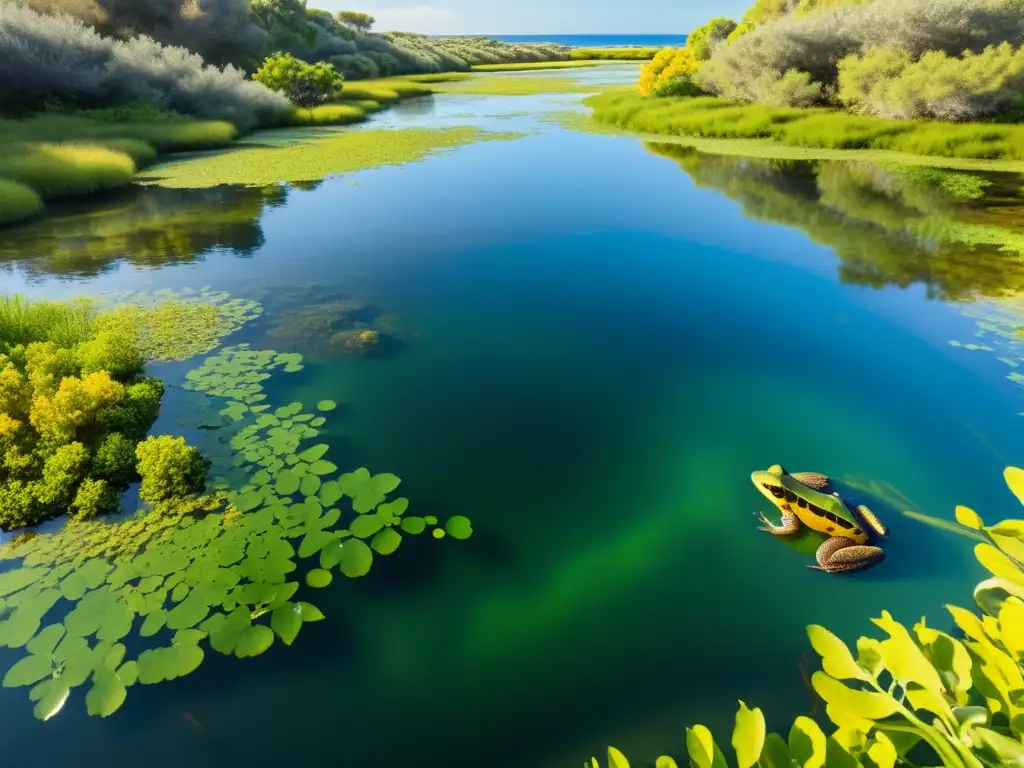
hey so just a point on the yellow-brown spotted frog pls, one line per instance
(803, 498)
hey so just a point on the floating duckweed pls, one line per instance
(211, 570)
(430, 519)
(438, 533)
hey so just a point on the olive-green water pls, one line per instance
(593, 344)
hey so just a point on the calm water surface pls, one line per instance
(601, 346)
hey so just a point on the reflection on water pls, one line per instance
(957, 234)
(143, 226)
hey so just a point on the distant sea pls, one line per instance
(597, 41)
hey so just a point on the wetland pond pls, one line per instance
(584, 344)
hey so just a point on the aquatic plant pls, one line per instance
(216, 572)
(919, 696)
(306, 157)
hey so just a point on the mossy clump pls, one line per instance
(340, 327)
(356, 342)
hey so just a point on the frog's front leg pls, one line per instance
(842, 555)
(790, 523)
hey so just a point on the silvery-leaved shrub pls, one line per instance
(47, 57)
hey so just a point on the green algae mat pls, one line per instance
(311, 154)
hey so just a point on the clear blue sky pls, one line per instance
(585, 17)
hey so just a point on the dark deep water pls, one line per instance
(599, 347)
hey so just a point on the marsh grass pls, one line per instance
(816, 128)
(530, 65)
(23, 321)
(386, 90)
(299, 155)
(614, 54)
(183, 135)
(18, 202)
(57, 170)
(331, 114)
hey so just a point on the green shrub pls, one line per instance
(113, 351)
(17, 202)
(887, 82)
(305, 85)
(114, 460)
(169, 467)
(329, 114)
(62, 472)
(94, 497)
(705, 39)
(355, 66)
(134, 415)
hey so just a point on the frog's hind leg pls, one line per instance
(790, 524)
(842, 555)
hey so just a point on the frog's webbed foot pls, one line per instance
(790, 524)
(842, 555)
(815, 480)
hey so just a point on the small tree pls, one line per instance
(360, 22)
(169, 468)
(307, 85)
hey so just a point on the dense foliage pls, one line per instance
(920, 695)
(669, 73)
(956, 60)
(73, 406)
(305, 85)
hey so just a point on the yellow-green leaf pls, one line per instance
(1011, 625)
(748, 735)
(1014, 477)
(616, 759)
(703, 750)
(851, 739)
(882, 752)
(865, 705)
(969, 518)
(1013, 528)
(836, 658)
(968, 623)
(665, 762)
(869, 656)
(807, 743)
(998, 563)
(903, 657)
(1010, 545)
(930, 699)
(775, 753)
(949, 656)
(836, 756)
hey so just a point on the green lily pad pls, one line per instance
(46, 640)
(394, 508)
(319, 421)
(180, 592)
(18, 579)
(189, 612)
(330, 493)
(322, 467)
(254, 641)
(326, 405)
(356, 558)
(106, 695)
(248, 501)
(330, 555)
(459, 527)
(310, 485)
(50, 697)
(153, 623)
(28, 671)
(430, 520)
(129, 673)
(287, 482)
(310, 613)
(318, 578)
(314, 453)
(286, 621)
(365, 526)
(159, 664)
(438, 533)
(413, 525)
(386, 541)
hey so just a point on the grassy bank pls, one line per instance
(710, 117)
(613, 54)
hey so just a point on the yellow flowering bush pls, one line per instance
(669, 73)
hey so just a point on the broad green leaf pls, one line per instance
(929, 699)
(949, 656)
(882, 752)
(254, 641)
(703, 750)
(129, 673)
(188, 636)
(1011, 625)
(287, 482)
(330, 493)
(286, 621)
(836, 756)
(28, 671)
(836, 658)
(309, 612)
(386, 541)
(51, 696)
(309, 485)
(356, 558)
(776, 753)
(154, 623)
(1010, 545)
(394, 508)
(322, 467)
(189, 612)
(1005, 750)
(413, 525)
(46, 640)
(864, 705)
(315, 453)
(159, 664)
(458, 527)
(318, 578)
(748, 735)
(365, 526)
(106, 695)
(616, 759)
(665, 762)
(326, 405)
(807, 743)
(969, 518)
(903, 658)
(869, 656)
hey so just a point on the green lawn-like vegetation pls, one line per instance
(301, 155)
(614, 54)
(812, 128)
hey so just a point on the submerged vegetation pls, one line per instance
(310, 157)
(193, 572)
(920, 696)
(897, 75)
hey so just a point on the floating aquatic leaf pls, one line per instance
(287, 482)
(386, 541)
(159, 664)
(365, 526)
(106, 695)
(413, 525)
(326, 405)
(330, 493)
(322, 467)
(438, 533)
(430, 520)
(319, 578)
(356, 558)
(50, 696)
(254, 640)
(286, 621)
(153, 623)
(46, 640)
(394, 508)
(319, 421)
(314, 541)
(113, 658)
(19, 578)
(29, 670)
(129, 673)
(459, 527)
(310, 485)
(315, 453)
(309, 612)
